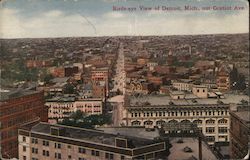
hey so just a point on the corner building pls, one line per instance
(44, 141)
(16, 108)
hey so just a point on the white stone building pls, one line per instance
(210, 114)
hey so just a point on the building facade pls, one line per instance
(18, 108)
(212, 121)
(239, 132)
(210, 115)
(101, 75)
(45, 141)
(63, 107)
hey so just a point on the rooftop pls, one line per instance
(177, 150)
(188, 100)
(139, 132)
(90, 135)
(15, 93)
(244, 115)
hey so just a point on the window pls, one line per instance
(69, 156)
(81, 150)
(210, 138)
(24, 148)
(58, 155)
(222, 121)
(34, 158)
(69, 146)
(34, 140)
(57, 145)
(95, 153)
(109, 156)
(122, 157)
(210, 130)
(24, 158)
(81, 158)
(24, 139)
(46, 143)
(222, 129)
(34, 150)
(45, 153)
(210, 121)
(223, 137)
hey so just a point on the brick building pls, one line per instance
(16, 108)
(239, 132)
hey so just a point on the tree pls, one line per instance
(69, 89)
(48, 78)
(79, 119)
(78, 115)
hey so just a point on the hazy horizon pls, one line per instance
(97, 18)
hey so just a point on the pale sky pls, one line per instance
(79, 18)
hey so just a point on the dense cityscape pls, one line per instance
(125, 97)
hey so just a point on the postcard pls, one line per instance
(124, 79)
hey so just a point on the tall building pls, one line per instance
(101, 75)
(239, 132)
(45, 141)
(16, 108)
(223, 79)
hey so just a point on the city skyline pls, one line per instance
(40, 19)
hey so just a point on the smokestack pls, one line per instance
(200, 148)
(190, 49)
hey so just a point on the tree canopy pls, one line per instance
(80, 119)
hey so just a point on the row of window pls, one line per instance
(210, 122)
(20, 107)
(159, 114)
(220, 129)
(46, 153)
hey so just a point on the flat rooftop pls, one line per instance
(244, 115)
(15, 93)
(91, 135)
(177, 150)
(188, 100)
(139, 132)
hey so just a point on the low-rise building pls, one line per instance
(62, 107)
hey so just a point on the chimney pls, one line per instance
(200, 148)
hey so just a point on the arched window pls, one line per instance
(222, 121)
(173, 121)
(198, 121)
(185, 121)
(136, 123)
(210, 121)
(159, 123)
(148, 123)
